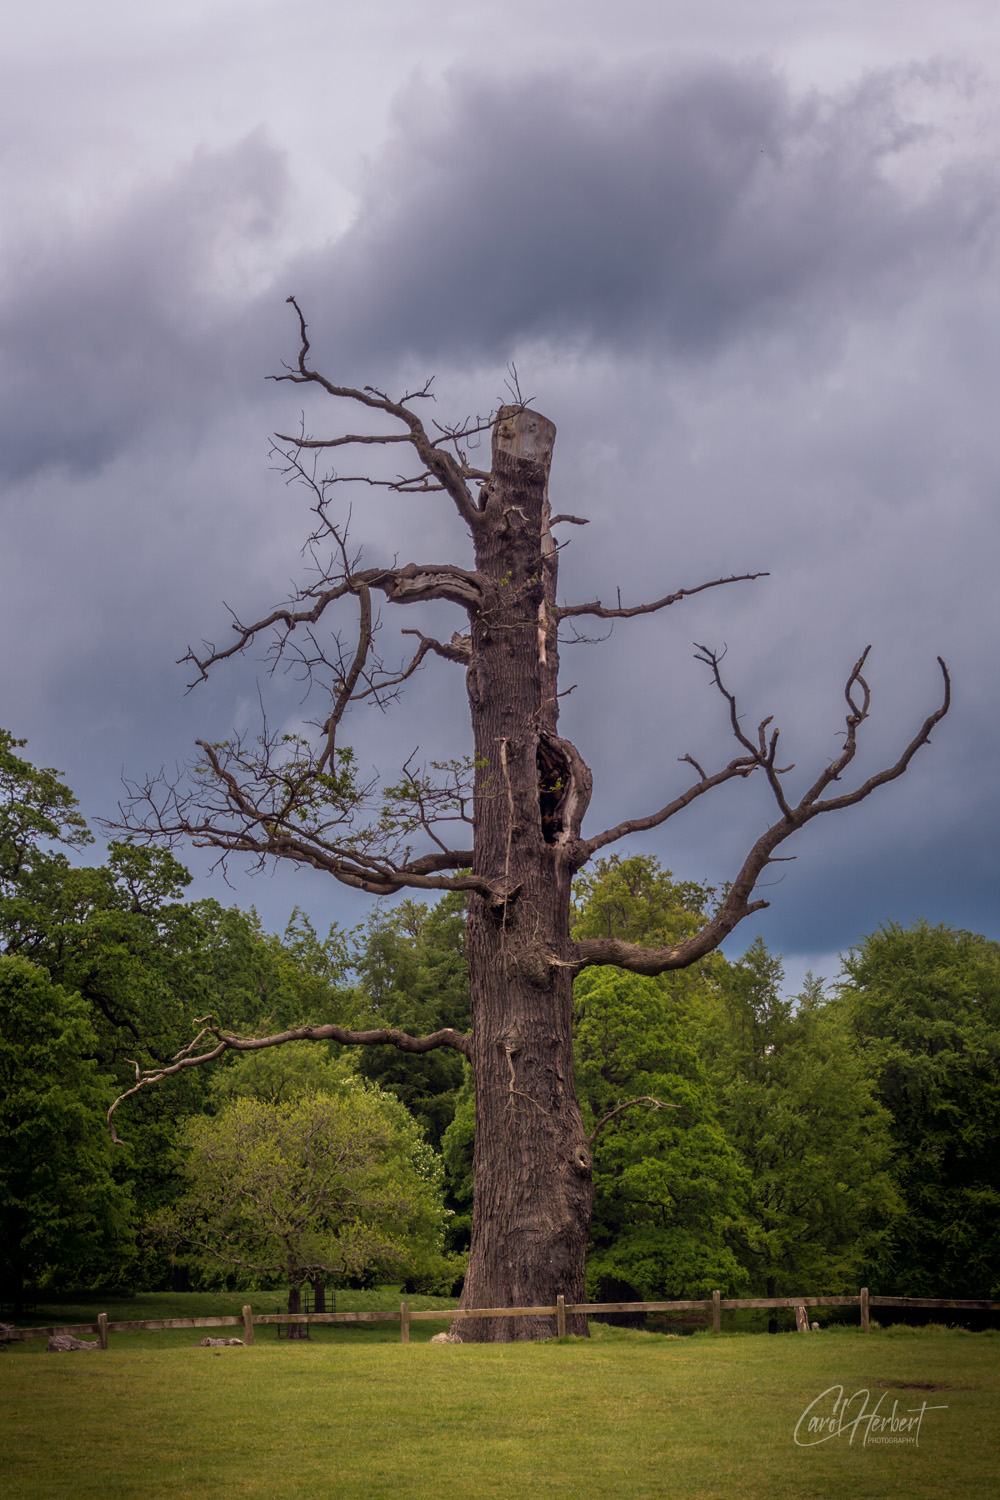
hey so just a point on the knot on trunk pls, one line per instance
(534, 964)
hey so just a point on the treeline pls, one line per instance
(843, 1137)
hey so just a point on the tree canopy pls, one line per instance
(305, 1182)
(799, 1108)
(924, 1004)
(62, 1215)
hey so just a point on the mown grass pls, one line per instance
(627, 1415)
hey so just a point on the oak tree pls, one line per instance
(518, 809)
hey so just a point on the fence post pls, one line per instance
(863, 1300)
(560, 1316)
(404, 1322)
(247, 1324)
(102, 1330)
(716, 1312)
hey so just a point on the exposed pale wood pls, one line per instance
(102, 1330)
(561, 1316)
(716, 1312)
(404, 1322)
(247, 1324)
(863, 1299)
(801, 1319)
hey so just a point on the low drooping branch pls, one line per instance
(761, 753)
(646, 1099)
(227, 1041)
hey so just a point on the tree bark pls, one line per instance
(532, 1167)
(296, 1330)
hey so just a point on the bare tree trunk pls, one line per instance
(532, 1173)
(319, 1294)
(295, 1330)
(533, 1186)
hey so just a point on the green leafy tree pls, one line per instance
(924, 1004)
(146, 963)
(315, 1185)
(62, 1215)
(36, 810)
(798, 1105)
(666, 1181)
(278, 1076)
(292, 1072)
(634, 897)
(458, 1155)
(412, 975)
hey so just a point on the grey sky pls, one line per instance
(745, 261)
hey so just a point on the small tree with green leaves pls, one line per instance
(336, 1181)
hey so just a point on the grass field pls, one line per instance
(354, 1414)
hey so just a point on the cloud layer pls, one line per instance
(766, 325)
(636, 212)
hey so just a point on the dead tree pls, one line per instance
(522, 804)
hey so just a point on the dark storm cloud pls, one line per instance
(134, 318)
(626, 209)
(765, 327)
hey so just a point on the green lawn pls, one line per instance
(358, 1416)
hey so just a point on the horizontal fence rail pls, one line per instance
(716, 1305)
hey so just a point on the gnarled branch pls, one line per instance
(744, 767)
(446, 470)
(566, 611)
(459, 648)
(761, 753)
(227, 1041)
(411, 584)
(272, 800)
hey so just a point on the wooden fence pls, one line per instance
(716, 1305)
